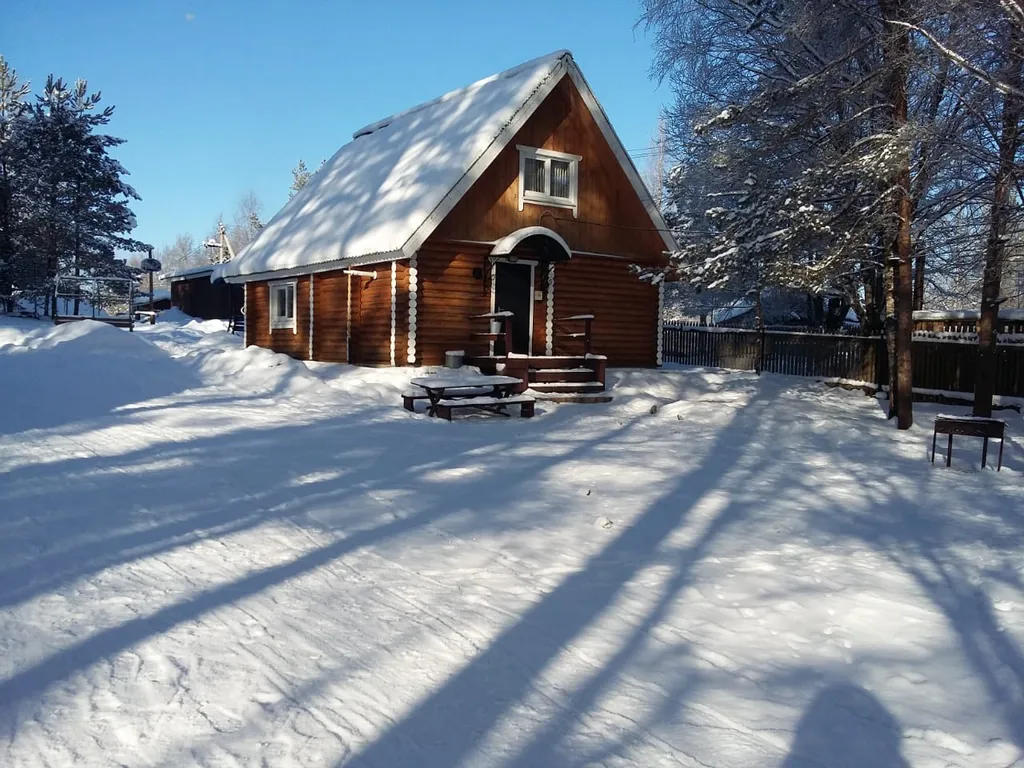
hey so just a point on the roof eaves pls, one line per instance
(312, 269)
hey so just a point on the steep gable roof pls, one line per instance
(382, 194)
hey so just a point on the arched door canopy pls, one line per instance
(548, 243)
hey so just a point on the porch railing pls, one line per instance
(499, 327)
(582, 335)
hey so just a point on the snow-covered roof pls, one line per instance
(738, 308)
(183, 274)
(1005, 313)
(382, 194)
(159, 294)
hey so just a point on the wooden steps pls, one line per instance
(561, 378)
(567, 386)
(572, 397)
(560, 374)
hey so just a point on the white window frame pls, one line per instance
(284, 323)
(542, 198)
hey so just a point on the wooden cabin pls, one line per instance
(195, 293)
(504, 217)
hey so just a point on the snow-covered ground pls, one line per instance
(222, 557)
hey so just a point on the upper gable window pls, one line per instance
(548, 178)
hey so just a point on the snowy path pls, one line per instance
(218, 557)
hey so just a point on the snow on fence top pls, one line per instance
(966, 314)
(374, 194)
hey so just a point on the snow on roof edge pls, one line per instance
(1005, 313)
(384, 122)
(180, 274)
(287, 240)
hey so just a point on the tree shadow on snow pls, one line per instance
(935, 545)
(443, 730)
(362, 458)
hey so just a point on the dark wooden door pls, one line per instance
(513, 292)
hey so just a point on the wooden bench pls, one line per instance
(117, 322)
(409, 398)
(492, 404)
(971, 426)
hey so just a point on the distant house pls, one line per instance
(511, 199)
(161, 299)
(1010, 321)
(196, 292)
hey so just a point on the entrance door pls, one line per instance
(513, 292)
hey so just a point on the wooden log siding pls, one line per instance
(402, 313)
(625, 309)
(330, 326)
(371, 323)
(257, 319)
(447, 295)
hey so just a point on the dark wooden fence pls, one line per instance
(947, 366)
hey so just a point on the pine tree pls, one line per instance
(80, 215)
(300, 177)
(12, 171)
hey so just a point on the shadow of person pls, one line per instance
(846, 727)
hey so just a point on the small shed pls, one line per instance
(161, 299)
(195, 292)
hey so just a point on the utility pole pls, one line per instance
(152, 299)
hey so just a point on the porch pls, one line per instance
(563, 377)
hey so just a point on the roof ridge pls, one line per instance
(373, 127)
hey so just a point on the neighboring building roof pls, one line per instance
(965, 314)
(188, 272)
(159, 294)
(382, 194)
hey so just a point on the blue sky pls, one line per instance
(219, 98)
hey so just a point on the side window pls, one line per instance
(282, 306)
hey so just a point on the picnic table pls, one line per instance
(453, 390)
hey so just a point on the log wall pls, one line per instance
(371, 326)
(330, 292)
(625, 309)
(611, 216)
(257, 320)
(448, 294)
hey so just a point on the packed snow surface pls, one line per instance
(212, 556)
